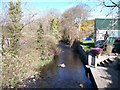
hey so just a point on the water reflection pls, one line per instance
(69, 77)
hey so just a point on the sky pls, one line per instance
(42, 6)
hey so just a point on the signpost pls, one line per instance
(78, 22)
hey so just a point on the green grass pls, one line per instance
(87, 45)
(42, 63)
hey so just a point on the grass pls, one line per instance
(39, 64)
(87, 45)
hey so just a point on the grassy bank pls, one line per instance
(17, 69)
(87, 45)
(28, 61)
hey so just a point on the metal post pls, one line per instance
(78, 22)
(89, 59)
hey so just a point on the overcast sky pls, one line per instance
(42, 6)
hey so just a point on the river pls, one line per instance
(71, 76)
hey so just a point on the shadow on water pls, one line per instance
(70, 76)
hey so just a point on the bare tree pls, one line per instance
(114, 4)
(68, 25)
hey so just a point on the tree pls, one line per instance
(114, 4)
(41, 42)
(68, 21)
(54, 26)
(14, 26)
(2, 42)
(87, 27)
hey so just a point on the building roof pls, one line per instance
(107, 24)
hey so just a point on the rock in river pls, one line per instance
(61, 65)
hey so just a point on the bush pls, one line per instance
(28, 61)
(51, 45)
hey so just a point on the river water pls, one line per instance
(70, 76)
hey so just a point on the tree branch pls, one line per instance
(114, 4)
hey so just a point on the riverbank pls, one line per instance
(24, 65)
(73, 75)
(52, 76)
(106, 74)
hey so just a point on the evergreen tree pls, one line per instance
(54, 25)
(2, 42)
(41, 41)
(14, 25)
